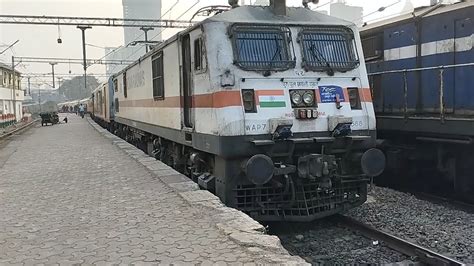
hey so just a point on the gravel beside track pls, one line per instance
(440, 228)
(328, 243)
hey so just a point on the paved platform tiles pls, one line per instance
(74, 193)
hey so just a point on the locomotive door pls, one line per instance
(186, 86)
(105, 103)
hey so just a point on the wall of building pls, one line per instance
(11, 100)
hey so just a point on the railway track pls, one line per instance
(26, 126)
(424, 255)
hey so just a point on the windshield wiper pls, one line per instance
(321, 59)
(278, 51)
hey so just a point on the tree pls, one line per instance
(74, 89)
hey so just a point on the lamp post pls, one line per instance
(13, 98)
(59, 82)
(83, 29)
(52, 68)
(39, 98)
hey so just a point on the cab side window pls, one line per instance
(158, 76)
(199, 56)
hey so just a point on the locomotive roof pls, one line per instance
(265, 15)
(257, 15)
(417, 12)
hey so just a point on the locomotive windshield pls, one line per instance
(262, 48)
(328, 49)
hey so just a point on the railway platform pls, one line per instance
(74, 193)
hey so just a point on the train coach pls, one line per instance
(101, 105)
(267, 107)
(420, 69)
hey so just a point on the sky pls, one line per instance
(41, 40)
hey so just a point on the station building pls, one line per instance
(11, 95)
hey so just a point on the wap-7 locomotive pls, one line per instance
(270, 111)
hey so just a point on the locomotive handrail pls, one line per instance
(419, 69)
(405, 84)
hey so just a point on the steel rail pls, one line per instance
(464, 206)
(403, 246)
(94, 21)
(5, 135)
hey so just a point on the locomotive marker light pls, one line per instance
(354, 98)
(248, 99)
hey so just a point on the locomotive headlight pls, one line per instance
(308, 98)
(296, 98)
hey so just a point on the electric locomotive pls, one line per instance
(267, 107)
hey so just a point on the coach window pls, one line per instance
(125, 84)
(158, 80)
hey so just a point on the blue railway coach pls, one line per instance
(420, 68)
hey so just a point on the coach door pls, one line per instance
(186, 87)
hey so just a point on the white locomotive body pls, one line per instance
(272, 113)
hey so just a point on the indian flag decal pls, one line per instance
(271, 98)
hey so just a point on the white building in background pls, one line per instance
(11, 94)
(134, 9)
(114, 53)
(341, 10)
(140, 9)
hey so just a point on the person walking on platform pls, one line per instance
(81, 110)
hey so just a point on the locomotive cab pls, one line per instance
(305, 124)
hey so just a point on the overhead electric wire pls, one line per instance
(187, 10)
(156, 35)
(319, 6)
(380, 9)
(141, 35)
